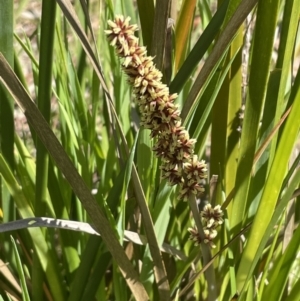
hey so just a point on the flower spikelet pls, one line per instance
(211, 219)
(208, 236)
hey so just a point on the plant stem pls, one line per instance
(209, 273)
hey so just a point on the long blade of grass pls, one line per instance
(288, 195)
(271, 191)
(122, 205)
(281, 269)
(66, 166)
(228, 102)
(182, 31)
(46, 256)
(159, 33)
(48, 222)
(259, 74)
(44, 97)
(6, 103)
(234, 104)
(199, 49)
(146, 158)
(83, 276)
(269, 138)
(203, 115)
(159, 268)
(25, 293)
(211, 63)
(7, 211)
(290, 25)
(97, 276)
(221, 126)
(146, 13)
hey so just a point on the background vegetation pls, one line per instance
(82, 162)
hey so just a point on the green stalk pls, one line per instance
(6, 102)
(25, 294)
(146, 13)
(206, 254)
(7, 210)
(259, 75)
(224, 137)
(234, 104)
(285, 52)
(44, 96)
(271, 190)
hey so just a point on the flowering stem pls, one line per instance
(173, 145)
(205, 250)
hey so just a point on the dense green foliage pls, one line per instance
(87, 213)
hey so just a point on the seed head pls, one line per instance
(159, 114)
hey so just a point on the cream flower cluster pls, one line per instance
(211, 219)
(158, 111)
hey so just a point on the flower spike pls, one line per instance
(159, 114)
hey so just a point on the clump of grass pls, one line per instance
(144, 252)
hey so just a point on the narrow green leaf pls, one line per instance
(145, 158)
(146, 13)
(159, 33)
(259, 75)
(22, 279)
(182, 31)
(219, 123)
(234, 105)
(46, 256)
(97, 277)
(295, 292)
(64, 163)
(215, 57)
(43, 102)
(161, 213)
(286, 49)
(85, 268)
(271, 191)
(6, 103)
(281, 270)
(119, 287)
(199, 49)
(7, 210)
(270, 259)
(127, 177)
